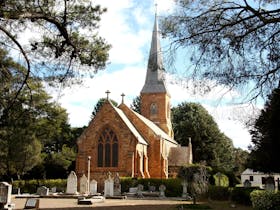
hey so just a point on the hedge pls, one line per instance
(265, 200)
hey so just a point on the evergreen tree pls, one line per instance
(264, 154)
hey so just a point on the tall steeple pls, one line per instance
(155, 79)
(155, 99)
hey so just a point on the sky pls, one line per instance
(128, 26)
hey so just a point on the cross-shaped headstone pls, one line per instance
(122, 95)
(107, 92)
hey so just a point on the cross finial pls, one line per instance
(156, 5)
(107, 92)
(122, 95)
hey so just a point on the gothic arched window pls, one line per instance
(108, 153)
(153, 109)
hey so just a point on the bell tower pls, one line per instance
(155, 98)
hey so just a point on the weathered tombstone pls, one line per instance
(5, 196)
(117, 185)
(152, 188)
(72, 183)
(32, 203)
(109, 186)
(53, 189)
(139, 192)
(83, 184)
(42, 191)
(185, 191)
(162, 189)
(93, 187)
(247, 183)
(270, 183)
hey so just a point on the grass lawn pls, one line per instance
(216, 205)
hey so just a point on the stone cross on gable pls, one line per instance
(107, 92)
(122, 95)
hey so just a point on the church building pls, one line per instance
(120, 140)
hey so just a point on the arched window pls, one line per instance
(108, 152)
(153, 109)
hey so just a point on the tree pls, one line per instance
(196, 178)
(236, 43)
(209, 144)
(99, 104)
(265, 134)
(66, 46)
(136, 104)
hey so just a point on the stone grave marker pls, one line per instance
(42, 191)
(152, 188)
(270, 183)
(139, 192)
(83, 185)
(247, 183)
(117, 185)
(162, 189)
(72, 183)
(32, 203)
(109, 186)
(93, 187)
(185, 191)
(6, 196)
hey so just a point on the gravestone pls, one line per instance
(139, 192)
(270, 184)
(162, 189)
(117, 185)
(93, 187)
(247, 183)
(109, 186)
(42, 191)
(53, 189)
(6, 196)
(152, 188)
(185, 191)
(72, 183)
(32, 203)
(83, 184)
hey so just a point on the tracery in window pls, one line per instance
(153, 109)
(107, 149)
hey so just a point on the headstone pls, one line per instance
(133, 190)
(152, 188)
(42, 191)
(32, 203)
(162, 189)
(53, 189)
(117, 185)
(5, 196)
(247, 183)
(270, 184)
(109, 186)
(139, 192)
(72, 183)
(93, 187)
(83, 184)
(185, 191)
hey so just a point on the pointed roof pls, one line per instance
(155, 71)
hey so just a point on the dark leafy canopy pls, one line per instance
(64, 43)
(235, 42)
(209, 144)
(99, 104)
(264, 154)
(136, 104)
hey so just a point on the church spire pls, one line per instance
(155, 71)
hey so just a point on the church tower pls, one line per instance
(155, 99)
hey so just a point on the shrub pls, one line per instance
(224, 182)
(241, 195)
(218, 193)
(265, 200)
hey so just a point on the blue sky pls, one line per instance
(127, 26)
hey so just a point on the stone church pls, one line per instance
(120, 140)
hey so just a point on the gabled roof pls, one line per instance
(131, 127)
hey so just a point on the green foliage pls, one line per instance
(136, 104)
(241, 195)
(265, 137)
(234, 43)
(30, 186)
(221, 180)
(209, 144)
(219, 193)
